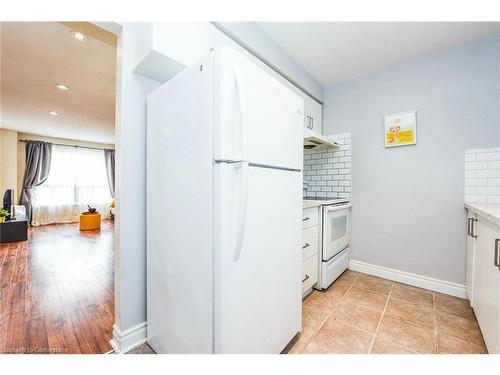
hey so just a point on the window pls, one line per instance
(77, 177)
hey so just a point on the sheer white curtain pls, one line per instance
(77, 178)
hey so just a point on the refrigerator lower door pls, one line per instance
(258, 258)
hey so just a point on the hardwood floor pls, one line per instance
(57, 291)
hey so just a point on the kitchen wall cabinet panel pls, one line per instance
(312, 114)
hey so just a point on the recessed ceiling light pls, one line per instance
(47, 128)
(78, 35)
(62, 87)
(53, 113)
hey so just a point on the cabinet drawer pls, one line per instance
(309, 273)
(309, 217)
(310, 242)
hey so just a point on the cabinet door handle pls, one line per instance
(306, 245)
(497, 261)
(312, 122)
(469, 222)
(305, 218)
(305, 278)
(472, 228)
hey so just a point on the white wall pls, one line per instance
(130, 233)
(8, 161)
(408, 201)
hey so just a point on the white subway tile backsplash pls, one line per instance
(470, 190)
(470, 157)
(474, 165)
(494, 164)
(327, 171)
(488, 190)
(482, 175)
(476, 198)
(476, 182)
(487, 173)
(494, 199)
(488, 156)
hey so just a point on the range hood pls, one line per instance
(315, 140)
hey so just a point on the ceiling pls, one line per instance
(35, 56)
(338, 51)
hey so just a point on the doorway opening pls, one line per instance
(57, 158)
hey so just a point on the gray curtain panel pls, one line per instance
(109, 158)
(38, 155)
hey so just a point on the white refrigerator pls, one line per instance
(224, 209)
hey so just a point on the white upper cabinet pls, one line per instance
(169, 47)
(312, 114)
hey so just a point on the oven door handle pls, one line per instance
(336, 208)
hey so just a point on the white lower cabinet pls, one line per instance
(310, 243)
(484, 276)
(309, 273)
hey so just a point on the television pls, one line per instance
(8, 201)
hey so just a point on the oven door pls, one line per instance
(335, 231)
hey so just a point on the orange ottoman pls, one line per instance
(90, 221)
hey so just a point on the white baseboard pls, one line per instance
(425, 282)
(127, 340)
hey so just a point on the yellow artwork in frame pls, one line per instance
(400, 129)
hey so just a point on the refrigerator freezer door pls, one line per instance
(258, 279)
(257, 118)
(179, 214)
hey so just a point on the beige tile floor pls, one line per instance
(363, 314)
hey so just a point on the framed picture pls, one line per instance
(400, 129)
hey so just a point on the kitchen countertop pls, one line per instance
(308, 203)
(490, 211)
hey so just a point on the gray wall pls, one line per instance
(408, 201)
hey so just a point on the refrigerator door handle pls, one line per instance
(243, 113)
(242, 210)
